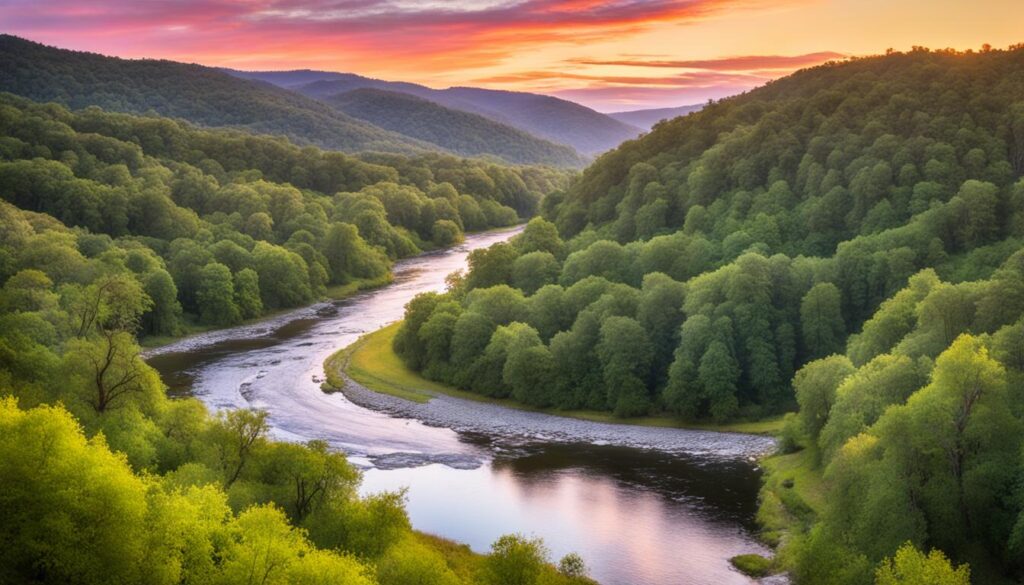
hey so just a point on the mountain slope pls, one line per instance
(848, 240)
(554, 119)
(458, 131)
(646, 119)
(198, 94)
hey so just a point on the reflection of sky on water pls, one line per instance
(638, 516)
(628, 534)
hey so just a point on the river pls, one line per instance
(642, 506)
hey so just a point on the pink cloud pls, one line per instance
(745, 63)
(455, 35)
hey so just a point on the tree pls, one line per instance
(626, 354)
(501, 304)
(718, 375)
(516, 560)
(491, 266)
(911, 567)
(70, 510)
(412, 563)
(815, 385)
(164, 318)
(540, 235)
(572, 566)
(28, 290)
(529, 368)
(863, 396)
(108, 372)
(216, 296)
(445, 232)
(113, 303)
(309, 476)
(283, 277)
(822, 320)
(247, 293)
(234, 436)
(533, 270)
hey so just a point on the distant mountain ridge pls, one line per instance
(560, 121)
(646, 119)
(264, 104)
(456, 130)
(201, 95)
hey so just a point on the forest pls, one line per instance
(843, 241)
(391, 123)
(458, 131)
(220, 226)
(115, 227)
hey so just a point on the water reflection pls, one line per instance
(636, 517)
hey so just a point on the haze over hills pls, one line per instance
(459, 131)
(646, 119)
(202, 95)
(561, 121)
(210, 97)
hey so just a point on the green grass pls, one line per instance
(752, 565)
(792, 496)
(343, 291)
(372, 362)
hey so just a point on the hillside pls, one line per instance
(557, 120)
(846, 241)
(457, 131)
(646, 119)
(114, 226)
(198, 94)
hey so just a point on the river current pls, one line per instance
(641, 505)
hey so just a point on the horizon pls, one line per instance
(609, 55)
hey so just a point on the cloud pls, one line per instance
(616, 99)
(745, 63)
(692, 79)
(411, 39)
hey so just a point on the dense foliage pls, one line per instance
(918, 430)
(847, 239)
(224, 226)
(457, 131)
(201, 95)
(560, 121)
(379, 121)
(706, 262)
(113, 225)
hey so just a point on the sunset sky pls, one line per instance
(608, 54)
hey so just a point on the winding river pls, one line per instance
(642, 506)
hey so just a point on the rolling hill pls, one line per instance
(561, 121)
(646, 119)
(456, 130)
(202, 95)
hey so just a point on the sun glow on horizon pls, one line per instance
(607, 54)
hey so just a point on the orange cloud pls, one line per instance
(378, 33)
(746, 63)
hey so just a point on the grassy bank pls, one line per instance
(334, 293)
(370, 361)
(792, 496)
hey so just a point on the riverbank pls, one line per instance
(338, 292)
(372, 363)
(791, 498)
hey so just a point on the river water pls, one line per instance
(642, 506)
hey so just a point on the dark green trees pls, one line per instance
(167, 199)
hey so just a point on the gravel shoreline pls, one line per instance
(511, 428)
